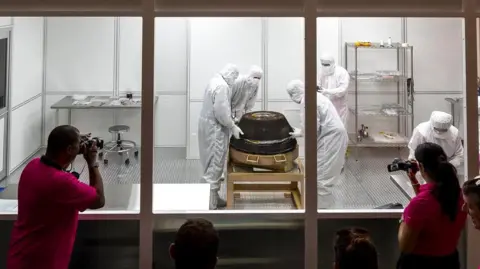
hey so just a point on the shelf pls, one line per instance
(387, 110)
(370, 143)
(374, 77)
(376, 45)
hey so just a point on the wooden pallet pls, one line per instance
(246, 179)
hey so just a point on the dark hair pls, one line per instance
(354, 249)
(444, 174)
(196, 245)
(470, 188)
(60, 138)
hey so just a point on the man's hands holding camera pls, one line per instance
(90, 154)
(89, 150)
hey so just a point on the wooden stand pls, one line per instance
(246, 179)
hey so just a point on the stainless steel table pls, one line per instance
(100, 102)
(403, 183)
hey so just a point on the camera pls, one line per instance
(86, 142)
(401, 165)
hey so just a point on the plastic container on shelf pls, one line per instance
(387, 74)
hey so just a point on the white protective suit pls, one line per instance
(439, 130)
(246, 90)
(215, 125)
(332, 137)
(333, 82)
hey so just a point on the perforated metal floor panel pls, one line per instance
(364, 184)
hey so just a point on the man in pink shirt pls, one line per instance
(49, 199)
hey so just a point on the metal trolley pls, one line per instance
(400, 109)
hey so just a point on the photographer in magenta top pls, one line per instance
(433, 220)
(49, 199)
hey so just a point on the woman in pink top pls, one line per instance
(432, 222)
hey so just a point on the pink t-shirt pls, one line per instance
(438, 235)
(49, 200)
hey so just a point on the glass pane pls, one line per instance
(236, 250)
(399, 74)
(86, 87)
(105, 244)
(93, 77)
(199, 164)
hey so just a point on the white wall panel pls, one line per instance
(25, 132)
(438, 53)
(6, 21)
(425, 104)
(195, 109)
(171, 55)
(27, 59)
(285, 49)
(94, 121)
(171, 121)
(132, 118)
(130, 54)
(216, 42)
(50, 115)
(80, 54)
(328, 34)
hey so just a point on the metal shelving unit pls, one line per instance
(400, 110)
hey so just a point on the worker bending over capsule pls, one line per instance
(215, 125)
(332, 137)
(246, 90)
(439, 130)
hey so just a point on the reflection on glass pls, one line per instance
(387, 107)
(224, 154)
(234, 251)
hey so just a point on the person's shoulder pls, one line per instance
(423, 127)
(424, 198)
(454, 131)
(32, 167)
(339, 68)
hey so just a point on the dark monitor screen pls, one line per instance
(3, 72)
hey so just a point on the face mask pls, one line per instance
(253, 82)
(440, 133)
(327, 69)
(297, 98)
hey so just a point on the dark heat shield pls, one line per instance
(264, 133)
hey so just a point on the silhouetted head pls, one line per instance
(63, 145)
(196, 245)
(471, 196)
(354, 249)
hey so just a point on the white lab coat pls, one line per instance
(452, 146)
(335, 88)
(214, 128)
(332, 141)
(245, 96)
